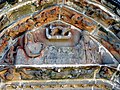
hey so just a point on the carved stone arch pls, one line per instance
(74, 44)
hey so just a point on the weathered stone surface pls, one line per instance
(74, 77)
(59, 44)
